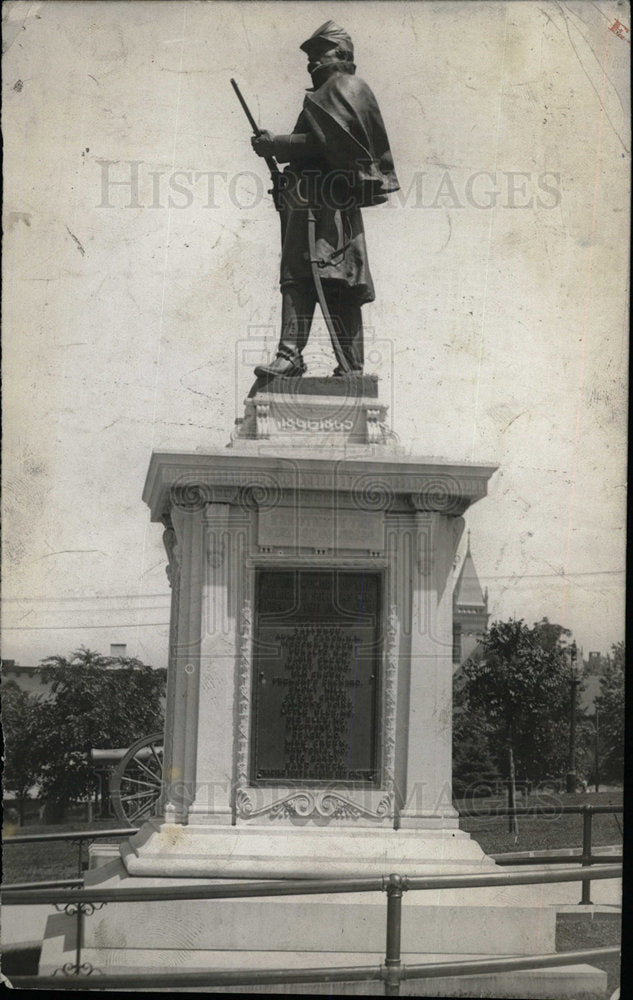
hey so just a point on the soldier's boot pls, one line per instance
(291, 367)
(297, 310)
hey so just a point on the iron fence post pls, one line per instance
(394, 885)
(587, 816)
(79, 910)
(78, 932)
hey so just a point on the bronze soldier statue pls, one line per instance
(338, 161)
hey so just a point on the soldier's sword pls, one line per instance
(315, 263)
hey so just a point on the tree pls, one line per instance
(521, 685)
(610, 705)
(95, 701)
(21, 763)
(474, 767)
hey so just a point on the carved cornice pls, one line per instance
(191, 480)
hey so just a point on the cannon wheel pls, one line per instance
(136, 781)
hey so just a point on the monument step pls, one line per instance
(301, 851)
(500, 921)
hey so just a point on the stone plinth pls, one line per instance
(314, 412)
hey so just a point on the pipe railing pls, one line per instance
(586, 857)
(296, 887)
(84, 902)
(335, 974)
(78, 838)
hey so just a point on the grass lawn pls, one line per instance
(542, 833)
(47, 860)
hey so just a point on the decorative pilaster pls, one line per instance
(183, 538)
(170, 541)
(213, 771)
(429, 778)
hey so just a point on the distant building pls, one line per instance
(27, 678)
(593, 665)
(592, 670)
(470, 611)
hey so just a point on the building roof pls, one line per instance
(468, 592)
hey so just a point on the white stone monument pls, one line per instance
(309, 711)
(313, 492)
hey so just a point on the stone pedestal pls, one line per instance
(314, 489)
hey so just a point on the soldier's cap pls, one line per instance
(329, 32)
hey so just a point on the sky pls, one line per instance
(140, 284)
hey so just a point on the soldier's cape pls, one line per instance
(344, 115)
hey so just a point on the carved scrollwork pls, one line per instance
(170, 541)
(191, 497)
(308, 804)
(262, 419)
(369, 492)
(377, 430)
(72, 969)
(445, 494)
(262, 493)
(243, 802)
(72, 909)
(195, 495)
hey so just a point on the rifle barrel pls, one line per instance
(255, 127)
(270, 161)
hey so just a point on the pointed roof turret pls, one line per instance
(468, 592)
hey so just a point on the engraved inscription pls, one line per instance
(317, 644)
(315, 424)
(316, 702)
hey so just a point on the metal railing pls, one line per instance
(76, 837)
(83, 902)
(585, 857)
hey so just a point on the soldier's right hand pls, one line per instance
(263, 143)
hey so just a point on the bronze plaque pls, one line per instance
(316, 661)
